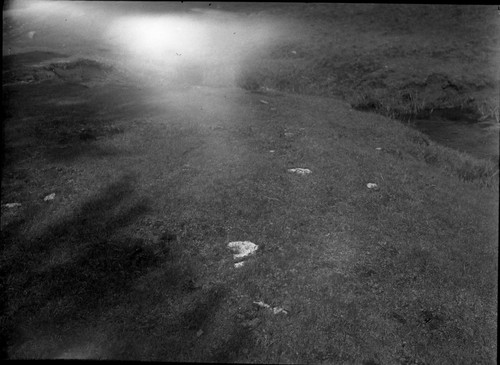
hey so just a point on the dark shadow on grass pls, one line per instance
(45, 289)
(203, 309)
(60, 119)
(230, 350)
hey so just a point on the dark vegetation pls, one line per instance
(405, 62)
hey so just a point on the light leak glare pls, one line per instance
(164, 38)
(164, 42)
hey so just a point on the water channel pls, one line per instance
(479, 139)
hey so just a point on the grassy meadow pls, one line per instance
(129, 261)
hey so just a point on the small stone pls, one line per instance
(277, 310)
(242, 248)
(50, 197)
(379, 148)
(262, 305)
(199, 333)
(372, 186)
(12, 205)
(264, 102)
(300, 171)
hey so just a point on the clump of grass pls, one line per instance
(487, 111)
(81, 63)
(465, 167)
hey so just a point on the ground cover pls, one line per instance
(130, 259)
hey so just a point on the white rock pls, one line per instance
(275, 310)
(300, 171)
(264, 102)
(262, 304)
(372, 186)
(239, 264)
(12, 205)
(50, 197)
(242, 248)
(379, 148)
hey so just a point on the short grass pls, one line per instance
(399, 61)
(129, 261)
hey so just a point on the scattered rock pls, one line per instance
(372, 186)
(242, 248)
(239, 264)
(12, 205)
(50, 197)
(300, 171)
(275, 310)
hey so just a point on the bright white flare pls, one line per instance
(163, 38)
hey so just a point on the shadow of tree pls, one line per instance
(98, 267)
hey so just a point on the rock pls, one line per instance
(199, 333)
(262, 305)
(242, 248)
(50, 197)
(300, 171)
(12, 205)
(264, 102)
(239, 264)
(372, 186)
(275, 310)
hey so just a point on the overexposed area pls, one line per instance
(188, 42)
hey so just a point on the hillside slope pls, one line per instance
(130, 259)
